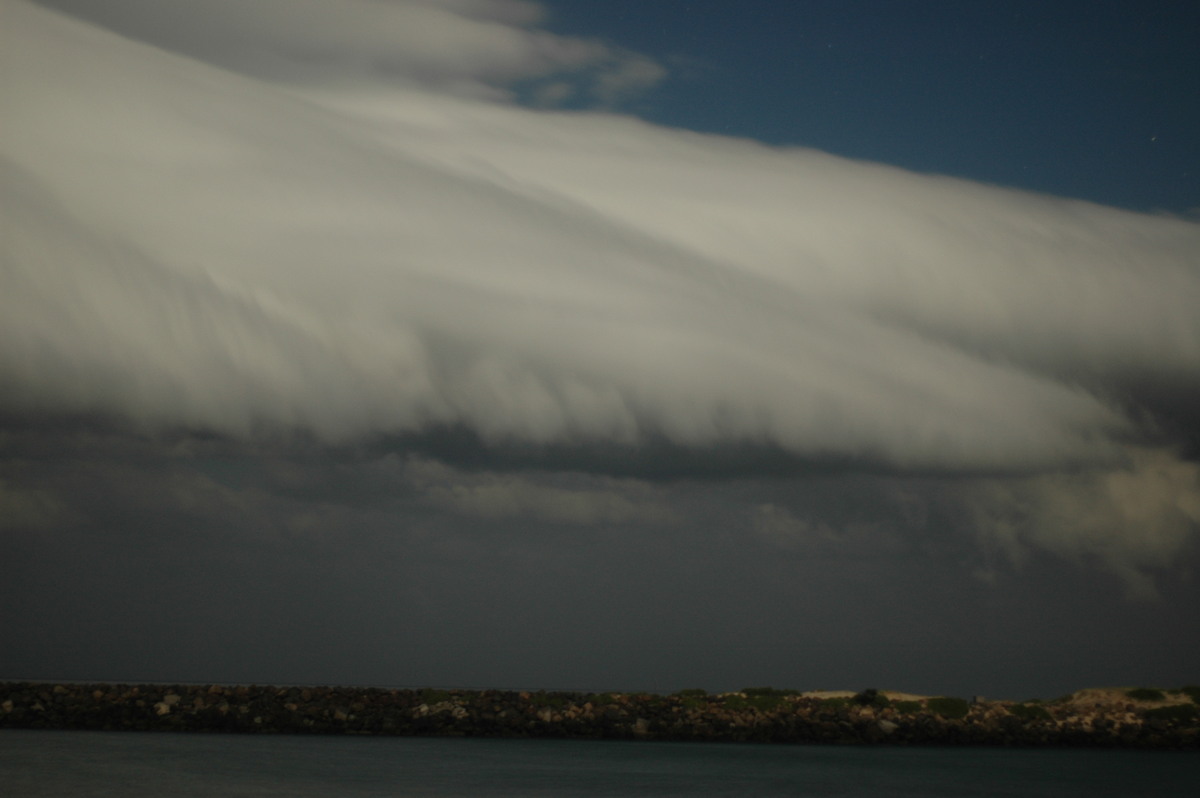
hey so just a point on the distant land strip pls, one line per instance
(1107, 717)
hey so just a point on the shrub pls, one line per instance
(431, 696)
(692, 692)
(1027, 712)
(948, 707)
(1191, 691)
(1145, 694)
(871, 698)
(767, 691)
(1176, 712)
(907, 707)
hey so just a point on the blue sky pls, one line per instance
(1095, 100)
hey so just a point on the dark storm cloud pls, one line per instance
(299, 305)
(208, 561)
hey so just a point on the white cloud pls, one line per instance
(185, 246)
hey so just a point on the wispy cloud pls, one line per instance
(474, 48)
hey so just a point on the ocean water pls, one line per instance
(64, 764)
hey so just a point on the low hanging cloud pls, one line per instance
(194, 240)
(784, 531)
(28, 509)
(1134, 521)
(501, 496)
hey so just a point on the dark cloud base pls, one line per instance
(203, 559)
(653, 459)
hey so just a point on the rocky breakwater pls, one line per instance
(1097, 718)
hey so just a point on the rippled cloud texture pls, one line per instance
(307, 270)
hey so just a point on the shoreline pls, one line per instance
(1097, 718)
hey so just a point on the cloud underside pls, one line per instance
(262, 227)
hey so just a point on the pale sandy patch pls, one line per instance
(892, 695)
(895, 696)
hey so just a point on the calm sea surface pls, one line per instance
(64, 764)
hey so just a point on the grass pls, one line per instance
(764, 699)
(430, 696)
(544, 699)
(947, 707)
(1028, 712)
(764, 702)
(693, 698)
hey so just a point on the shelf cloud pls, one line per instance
(347, 268)
(188, 246)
